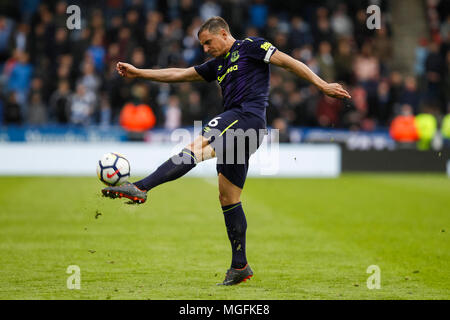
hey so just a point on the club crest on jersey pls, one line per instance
(234, 56)
(219, 68)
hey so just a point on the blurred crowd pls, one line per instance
(52, 75)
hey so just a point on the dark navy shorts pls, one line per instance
(235, 135)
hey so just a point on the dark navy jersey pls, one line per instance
(243, 74)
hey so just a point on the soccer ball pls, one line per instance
(113, 169)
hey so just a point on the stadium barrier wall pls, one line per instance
(395, 160)
(80, 159)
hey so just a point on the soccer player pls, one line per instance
(241, 68)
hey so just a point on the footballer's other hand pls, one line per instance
(127, 70)
(335, 90)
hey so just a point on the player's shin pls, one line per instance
(236, 224)
(174, 168)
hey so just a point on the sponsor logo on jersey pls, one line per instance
(230, 69)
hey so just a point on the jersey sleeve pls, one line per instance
(259, 49)
(207, 70)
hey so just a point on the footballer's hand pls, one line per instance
(127, 70)
(335, 90)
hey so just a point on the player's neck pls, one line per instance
(230, 42)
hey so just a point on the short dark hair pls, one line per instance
(213, 25)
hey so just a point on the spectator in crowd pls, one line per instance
(126, 43)
(20, 41)
(447, 80)
(396, 88)
(310, 96)
(272, 28)
(187, 12)
(136, 119)
(97, 52)
(194, 108)
(258, 14)
(382, 48)
(138, 58)
(421, 53)
(328, 110)
(384, 101)
(295, 104)
(60, 17)
(208, 9)
(300, 34)
(341, 23)
(2, 107)
(105, 111)
(9, 65)
(367, 72)
(20, 79)
(366, 66)
(6, 30)
(37, 113)
(61, 45)
(361, 33)
(151, 42)
(82, 106)
(39, 44)
(354, 117)
(89, 79)
(410, 95)
(445, 127)
(97, 21)
(434, 71)
(183, 91)
(343, 61)
(28, 8)
(37, 86)
(172, 113)
(426, 125)
(445, 27)
(59, 105)
(80, 45)
(281, 41)
(326, 62)
(132, 23)
(65, 70)
(323, 31)
(403, 128)
(280, 124)
(12, 113)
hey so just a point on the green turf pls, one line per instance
(306, 239)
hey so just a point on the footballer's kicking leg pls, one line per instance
(174, 168)
(236, 223)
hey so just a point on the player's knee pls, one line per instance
(201, 149)
(186, 156)
(226, 199)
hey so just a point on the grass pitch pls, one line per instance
(306, 239)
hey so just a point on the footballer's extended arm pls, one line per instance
(160, 75)
(285, 61)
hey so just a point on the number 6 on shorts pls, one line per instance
(214, 122)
